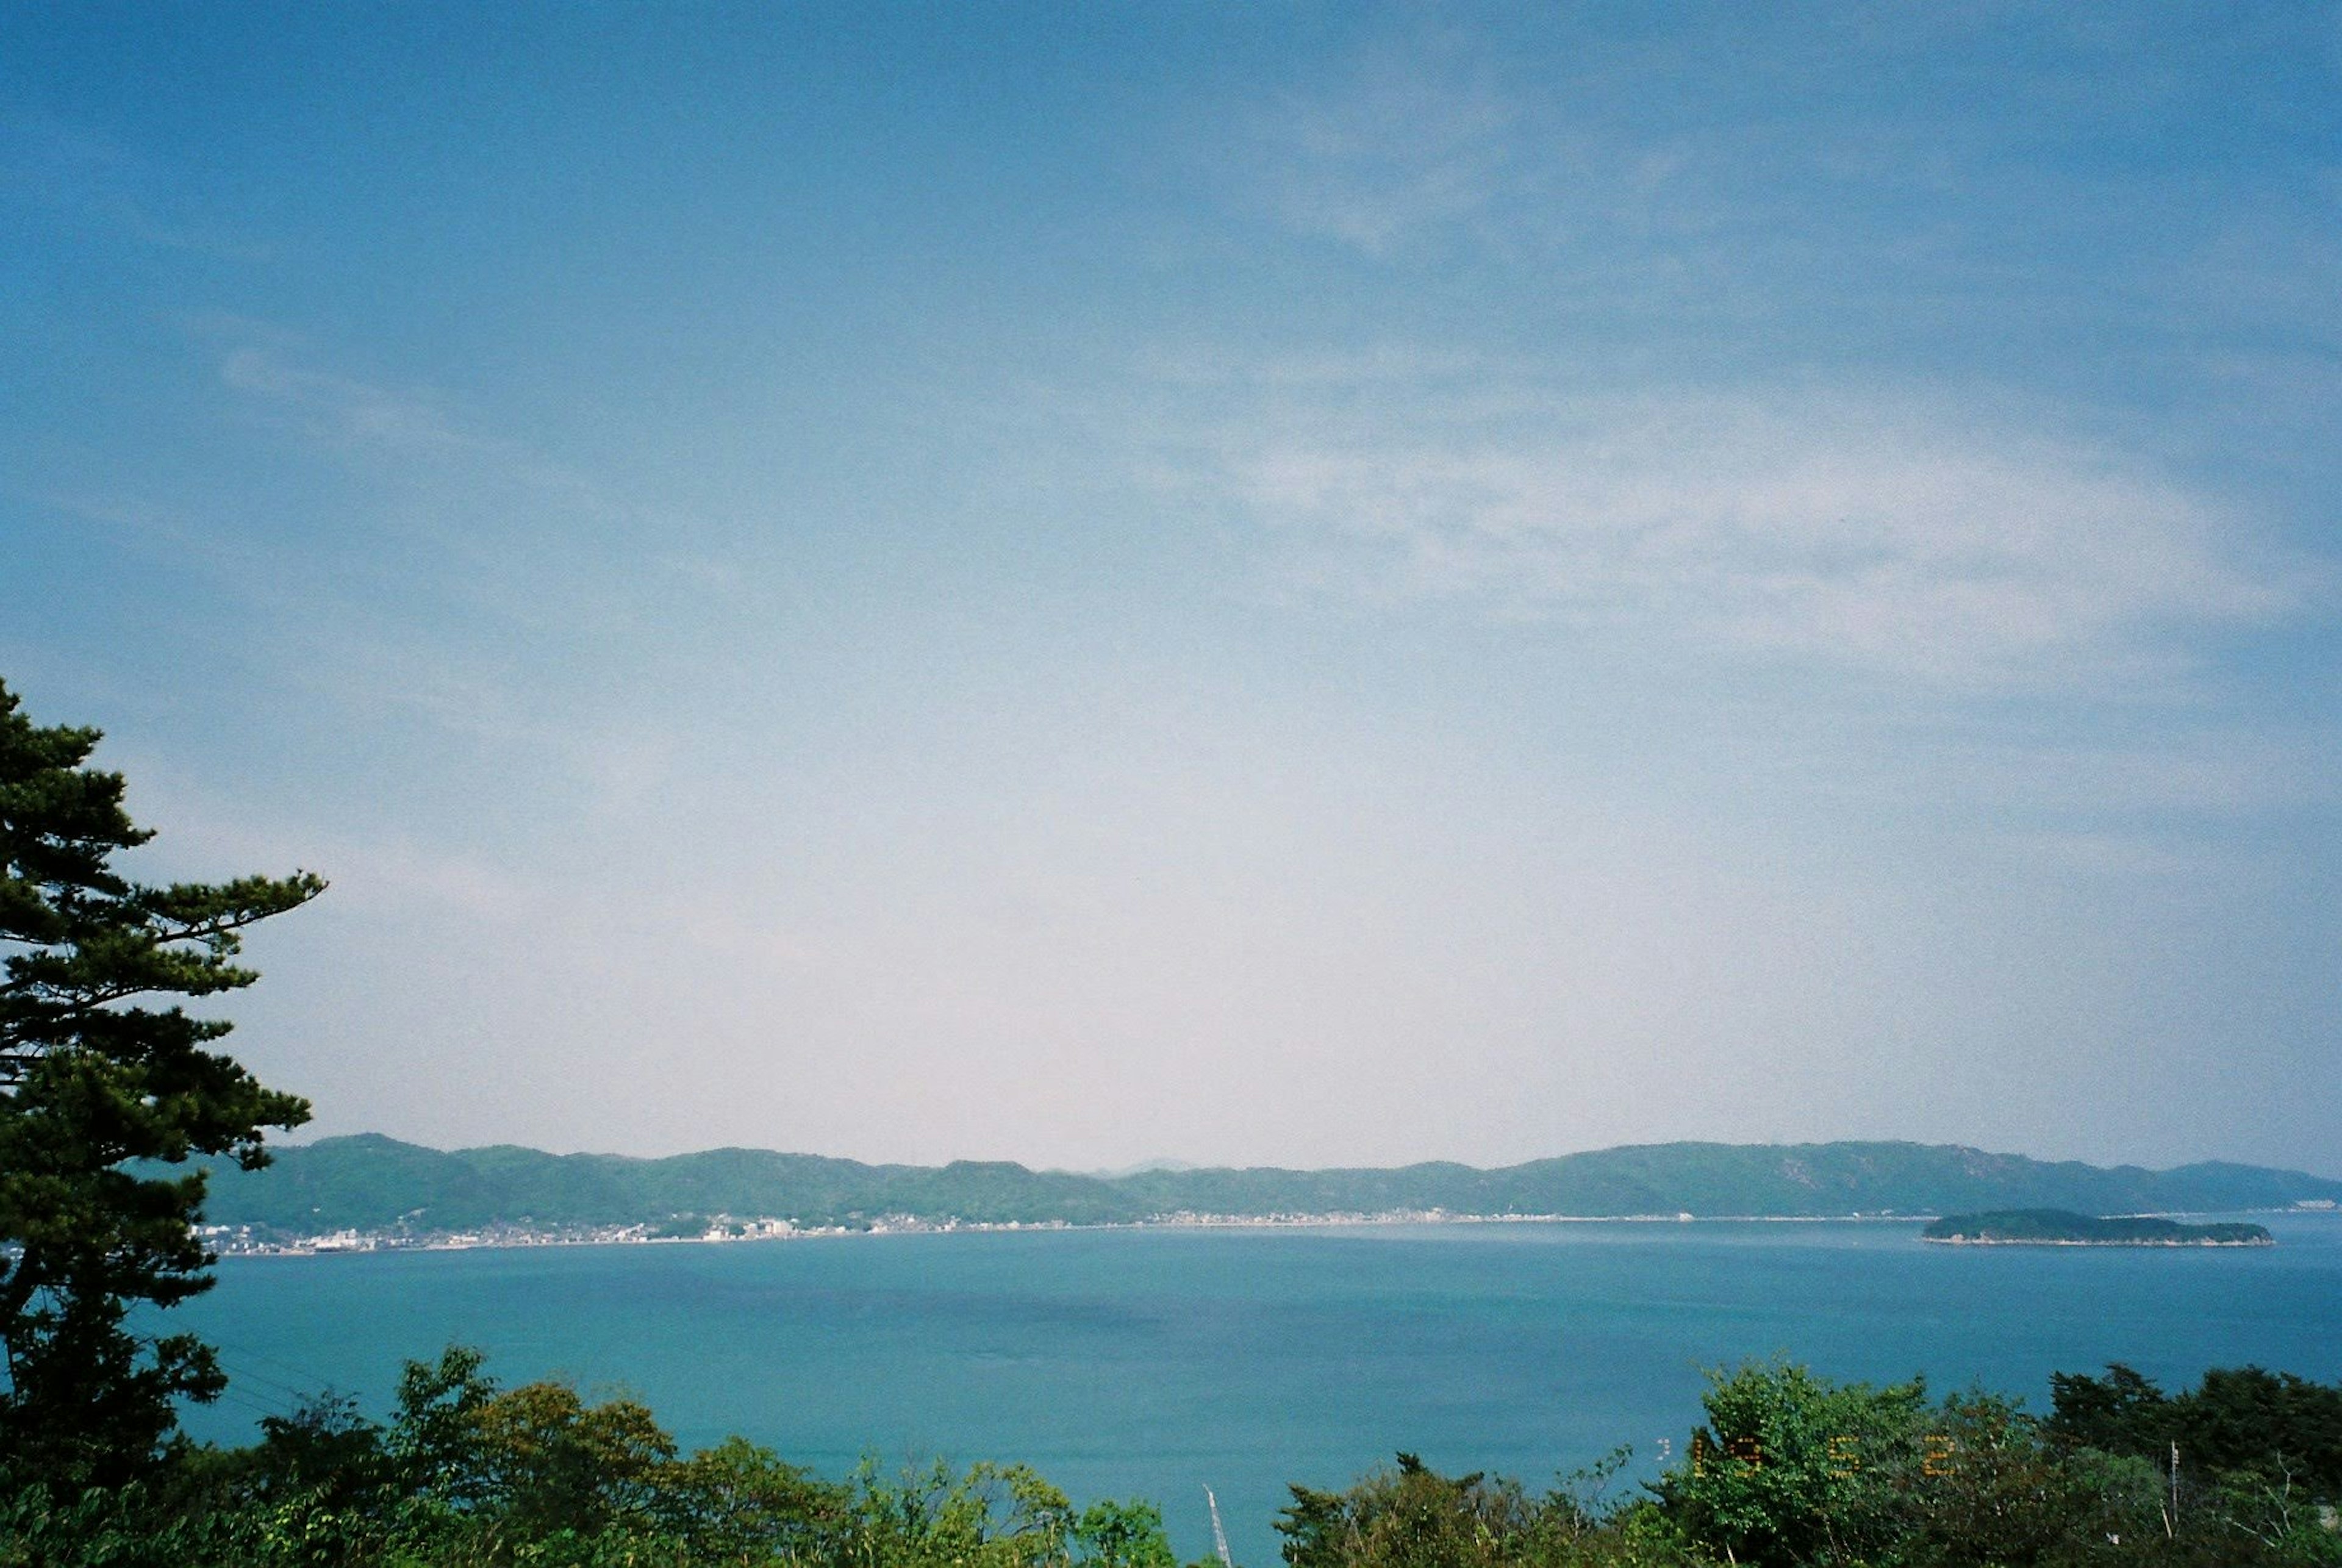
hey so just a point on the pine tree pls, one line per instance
(101, 1078)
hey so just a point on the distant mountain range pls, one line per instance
(371, 1183)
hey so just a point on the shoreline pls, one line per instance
(2075, 1242)
(238, 1241)
(513, 1238)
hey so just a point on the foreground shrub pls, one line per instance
(1789, 1470)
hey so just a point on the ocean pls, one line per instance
(1156, 1363)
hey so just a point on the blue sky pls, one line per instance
(1293, 584)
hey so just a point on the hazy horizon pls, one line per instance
(1308, 586)
(1171, 1163)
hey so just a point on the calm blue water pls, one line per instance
(1154, 1362)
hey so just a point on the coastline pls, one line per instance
(2071, 1242)
(229, 1242)
(339, 1243)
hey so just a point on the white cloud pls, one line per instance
(1895, 537)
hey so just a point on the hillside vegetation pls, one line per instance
(1784, 1469)
(2063, 1228)
(374, 1183)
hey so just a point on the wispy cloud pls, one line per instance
(1894, 536)
(492, 502)
(425, 430)
(70, 173)
(1414, 139)
(439, 574)
(1428, 139)
(201, 833)
(344, 407)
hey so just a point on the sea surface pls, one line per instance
(1155, 1363)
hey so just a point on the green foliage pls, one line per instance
(92, 1079)
(1793, 1470)
(1790, 1469)
(468, 1474)
(2246, 1418)
(989, 1514)
(1122, 1535)
(738, 1502)
(434, 1445)
(1411, 1516)
(1989, 1489)
(556, 1464)
(2259, 1456)
(2121, 1412)
(2272, 1507)
(97, 1527)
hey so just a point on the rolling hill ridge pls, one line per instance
(371, 1183)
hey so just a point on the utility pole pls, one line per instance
(2171, 1520)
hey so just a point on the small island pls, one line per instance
(2064, 1228)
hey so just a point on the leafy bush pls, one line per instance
(1789, 1470)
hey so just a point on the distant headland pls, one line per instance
(369, 1191)
(2064, 1228)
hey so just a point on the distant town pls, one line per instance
(261, 1241)
(266, 1241)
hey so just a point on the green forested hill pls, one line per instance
(373, 1183)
